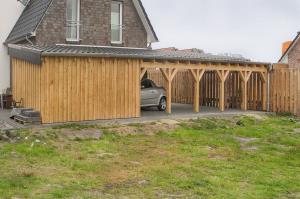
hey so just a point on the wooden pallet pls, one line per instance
(26, 121)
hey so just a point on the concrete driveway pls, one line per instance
(186, 111)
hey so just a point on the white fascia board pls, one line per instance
(151, 38)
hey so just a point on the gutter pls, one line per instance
(18, 39)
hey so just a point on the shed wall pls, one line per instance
(79, 89)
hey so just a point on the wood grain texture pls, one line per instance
(285, 89)
(79, 89)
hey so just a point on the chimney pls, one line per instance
(285, 46)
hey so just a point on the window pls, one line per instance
(116, 22)
(73, 17)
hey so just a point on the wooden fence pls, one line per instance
(285, 89)
(183, 89)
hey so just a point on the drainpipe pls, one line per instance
(28, 40)
(270, 68)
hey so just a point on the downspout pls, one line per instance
(270, 68)
(29, 41)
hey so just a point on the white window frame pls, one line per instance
(77, 24)
(120, 4)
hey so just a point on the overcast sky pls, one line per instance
(253, 28)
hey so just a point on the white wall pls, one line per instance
(10, 11)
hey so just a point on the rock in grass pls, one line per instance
(240, 123)
(4, 137)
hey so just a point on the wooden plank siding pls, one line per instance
(285, 89)
(68, 89)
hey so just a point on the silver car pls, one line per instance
(152, 95)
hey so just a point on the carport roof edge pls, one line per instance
(34, 53)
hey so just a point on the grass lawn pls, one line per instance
(242, 157)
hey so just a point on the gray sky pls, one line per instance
(253, 28)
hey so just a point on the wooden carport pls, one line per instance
(169, 69)
(68, 83)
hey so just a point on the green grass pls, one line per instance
(202, 158)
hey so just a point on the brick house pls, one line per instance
(291, 53)
(78, 60)
(84, 22)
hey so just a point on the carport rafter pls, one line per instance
(197, 69)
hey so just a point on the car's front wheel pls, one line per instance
(162, 104)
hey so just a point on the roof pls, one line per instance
(152, 37)
(290, 47)
(34, 53)
(35, 10)
(29, 20)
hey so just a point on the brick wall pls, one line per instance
(95, 28)
(294, 56)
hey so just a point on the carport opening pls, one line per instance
(183, 90)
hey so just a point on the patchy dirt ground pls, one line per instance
(202, 158)
(145, 128)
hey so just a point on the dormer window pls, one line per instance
(116, 22)
(73, 20)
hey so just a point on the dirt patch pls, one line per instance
(296, 130)
(249, 148)
(256, 116)
(244, 143)
(216, 157)
(85, 134)
(147, 129)
(245, 140)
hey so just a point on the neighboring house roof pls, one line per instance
(29, 20)
(290, 48)
(34, 53)
(35, 10)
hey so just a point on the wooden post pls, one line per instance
(245, 75)
(222, 74)
(197, 74)
(169, 74)
(264, 90)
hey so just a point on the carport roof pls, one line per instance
(34, 53)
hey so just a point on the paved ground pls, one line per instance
(186, 111)
(6, 122)
(179, 111)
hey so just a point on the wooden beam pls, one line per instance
(197, 74)
(206, 66)
(222, 75)
(169, 74)
(173, 73)
(196, 96)
(165, 73)
(245, 76)
(143, 72)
